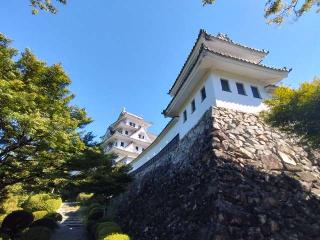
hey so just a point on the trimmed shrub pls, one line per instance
(84, 197)
(39, 214)
(15, 222)
(2, 216)
(42, 202)
(93, 224)
(45, 222)
(53, 204)
(9, 205)
(37, 233)
(95, 214)
(93, 205)
(107, 228)
(54, 216)
(117, 236)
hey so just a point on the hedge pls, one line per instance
(93, 224)
(15, 222)
(42, 202)
(106, 228)
(84, 197)
(54, 216)
(95, 214)
(93, 205)
(117, 236)
(39, 214)
(37, 233)
(45, 222)
(53, 204)
(9, 205)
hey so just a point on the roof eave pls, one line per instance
(283, 71)
(202, 32)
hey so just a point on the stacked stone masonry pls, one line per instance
(231, 177)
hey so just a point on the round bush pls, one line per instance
(42, 202)
(45, 222)
(39, 214)
(84, 197)
(37, 233)
(106, 228)
(53, 204)
(9, 205)
(117, 236)
(93, 205)
(95, 214)
(15, 222)
(54, 216)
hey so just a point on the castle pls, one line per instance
(217, 170)
(218, 72)
(127, 137)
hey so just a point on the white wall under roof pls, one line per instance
(236, 101)
(155, 148)
(215, 97)
(201, 106)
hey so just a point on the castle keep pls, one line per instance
(217, 170)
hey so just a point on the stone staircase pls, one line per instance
(71, 226)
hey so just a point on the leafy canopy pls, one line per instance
(276, 11)
(92, 171)
(38, 124)
(44, 5)
(297, 110)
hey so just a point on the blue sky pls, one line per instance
(128, 53)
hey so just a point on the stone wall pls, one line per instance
(230, 177)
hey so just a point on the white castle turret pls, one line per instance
(127, 137)
(217, 73)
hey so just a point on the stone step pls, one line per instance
(73, 225)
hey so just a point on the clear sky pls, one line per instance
(128, 53)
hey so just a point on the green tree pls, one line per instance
(38, 124)
(297, 111)
(276, 11)
(44, 5)
(92, 171)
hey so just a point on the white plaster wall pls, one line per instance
(201, 107)
(215, 97)
(156, 148)
(235, 101)
(182, 127)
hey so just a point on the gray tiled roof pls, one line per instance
(284, 69)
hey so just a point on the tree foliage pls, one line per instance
(38, 124)
(297, 110)
(92, 171)
(44, 5)
(276, 11)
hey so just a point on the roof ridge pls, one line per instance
(284, 69)
(224, 37)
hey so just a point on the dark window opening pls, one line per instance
(255, 92)
(132, 124)
(203, 94)
(240, 88)
(225, 85)
(122, 144)
(193, 106)
(141, 136)
(185, 116)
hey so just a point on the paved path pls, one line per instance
(71, 227)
